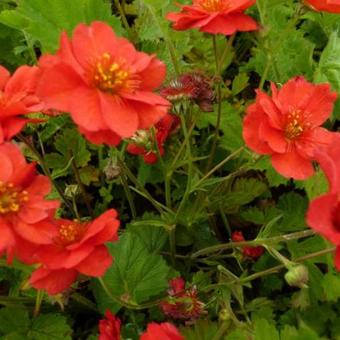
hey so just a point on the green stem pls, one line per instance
(166, 173)
(257, 242)
(46, 171)
(282, 266)
(124, 20)
(172, 242)
(128, 195)
(38, 300)
(167, 40)
(141, 190)
(218, 166)
(219, 104)
(221, 331)
(190, 166)
(82, 188)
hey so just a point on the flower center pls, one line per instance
(11, 198)
(70, 233)
(295, 125)
(214, 5)
(113, 76)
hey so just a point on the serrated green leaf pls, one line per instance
(55, 16)
(265, 330)
(153, 237)
(136, 274)
(329, 64)
(50, 326)
(202, 330)
(14, 320)
(293, 207)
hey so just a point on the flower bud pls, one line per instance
(297, 276)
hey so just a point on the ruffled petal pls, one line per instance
(53, 281)
(251, 125)
(96, 263)
(320, 216)
(292, 165)
(119, 115)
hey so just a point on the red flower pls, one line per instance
(182, 303)
(109, 328)
(192, 86)
(324, 212)
(76, 248)
(143, 140)
(286, 126)
(332, 6)
(215, 16)
(17, 97)
(251, 252)
(104, 83)
(24, 211)
(162, 331)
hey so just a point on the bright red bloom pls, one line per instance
(143, 140)
(251, 252)
(182, 303)
(76, 248)
(286, 126)
(104, 83)
(17, 97)
(24, 211)
(192, 86)
(215, 16)
(162, 331)
(109, 328)
(331, 6)
(324, 212)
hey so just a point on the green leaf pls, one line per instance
(136, 274)
(264, 330)
(70, 144)
(329, 64)
(55, 16)
(331, 286)
(152, 237)
(315, 185)
(231, 126)
(240, 82)
(14, 320)
(50, 326)
(293, 207)
(202, 330)
(243, 191)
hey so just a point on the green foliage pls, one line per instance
(136, 274)
(55, 16)
(16, 324)
(71, 147)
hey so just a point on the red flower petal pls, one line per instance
(96, 263)
(53, 281)
(291, 164)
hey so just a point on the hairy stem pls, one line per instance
(257, 242)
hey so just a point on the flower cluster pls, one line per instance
(182, 303)
(193, 86)
(144, 143)
(287, 126)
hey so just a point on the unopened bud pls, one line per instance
(111, 171)
(297, 276)
(224, 315)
